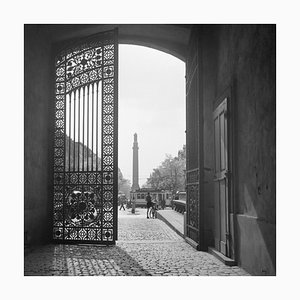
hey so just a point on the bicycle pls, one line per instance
(153, 211)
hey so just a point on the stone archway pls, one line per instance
(74, 188)
(44, 41)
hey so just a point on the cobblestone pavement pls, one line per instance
(146, 247)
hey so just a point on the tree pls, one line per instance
(170, 175)
(123, 184)
(155, 179)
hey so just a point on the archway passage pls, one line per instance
(85, 141)
(236, 62)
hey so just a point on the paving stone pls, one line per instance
(146, 247)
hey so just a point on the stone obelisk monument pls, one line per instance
(135, 173)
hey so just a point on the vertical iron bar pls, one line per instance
(88, 125)
(83, 112)
(101, 147)
(97, 128)
(74, 130)
(78, 128)
(69, 132)
(64, 183)
(93, 126)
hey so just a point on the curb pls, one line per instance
(160, 217)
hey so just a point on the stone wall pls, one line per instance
(239, 61)
(37, 135)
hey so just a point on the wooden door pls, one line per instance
(221, 177)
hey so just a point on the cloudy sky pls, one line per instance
(152, 104)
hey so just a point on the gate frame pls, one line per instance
(56, 49)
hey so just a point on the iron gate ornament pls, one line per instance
(85, 141)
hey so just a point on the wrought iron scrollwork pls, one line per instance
(193, 198)
(82, 207)
(84, 173)
(193, 205)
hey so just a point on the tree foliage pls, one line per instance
(170, 175)
(123, 184)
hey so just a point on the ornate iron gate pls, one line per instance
(85, 141)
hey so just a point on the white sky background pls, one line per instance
(152, 104)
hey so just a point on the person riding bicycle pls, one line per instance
(154, 209)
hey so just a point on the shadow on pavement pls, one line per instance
(82, 260)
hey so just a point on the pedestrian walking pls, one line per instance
(148, 203)
(122, 203)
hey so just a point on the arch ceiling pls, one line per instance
(172, 39)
